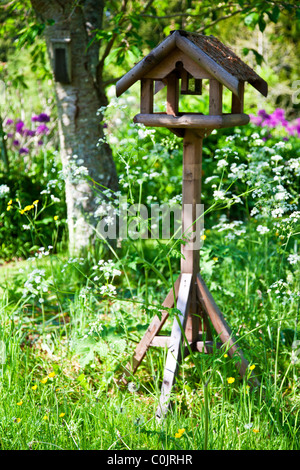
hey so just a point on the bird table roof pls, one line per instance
(219, 60)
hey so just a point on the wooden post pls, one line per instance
(191, 198)
(172, 94)
(147, 96)
(215, 97)
(237, 104)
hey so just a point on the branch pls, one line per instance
(110, 81)
(191, 15)
(222, 18)
(110, 44)
(173, 15)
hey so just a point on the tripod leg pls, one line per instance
(220, 325)
(175, 345)
(153, 329)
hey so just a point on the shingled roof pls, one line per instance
(220, 61)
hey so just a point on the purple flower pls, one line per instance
(29, 133)
(43, 117)
(23, 150)
(263, 114)
(19, 126)
(40, 142)
(279, 113)
(9, 122)
(10, 134)
(16, 143)
(42, 129)
(255, 119)
(291, 129)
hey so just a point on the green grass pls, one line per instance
(99, 413)
(86, 337)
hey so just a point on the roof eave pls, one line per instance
(146, 64)
(260, 85)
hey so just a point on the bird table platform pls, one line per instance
(181, 62)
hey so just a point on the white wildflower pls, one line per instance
(277, 212)
(222, 163)
(276, 158)
(262, 230)
(108, 289)
(219, 194)
(294, 258)
(4, 190)
(254, 211)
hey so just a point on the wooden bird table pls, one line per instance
(181, 62)
(191, 296)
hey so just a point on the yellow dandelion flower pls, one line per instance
(20, 403)
(252, 367)
(55, 217)
(34, 387)
(230, 380)
(52, 374)
(44, 380)
(255, 430)
(215, 258)
(18, 420)
(203, 237)
(62, 415)
(35, 202)
(225, 355)
(46, 418)
(9, 202)
(8, 208)
(179, 433)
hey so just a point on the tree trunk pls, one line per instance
(68, 33)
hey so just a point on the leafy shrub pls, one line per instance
(32, 195)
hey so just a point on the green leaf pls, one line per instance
(251, 19)
(262, 24)
(113, 55)
(102, 349)
(274, 15)
(119, 346)
(258, 57)
(83, 382)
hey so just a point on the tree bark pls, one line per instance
(78, 103)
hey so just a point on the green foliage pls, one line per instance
(32, 186)
(70, 325)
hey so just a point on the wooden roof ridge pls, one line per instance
(227, 59)
(219, 60)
